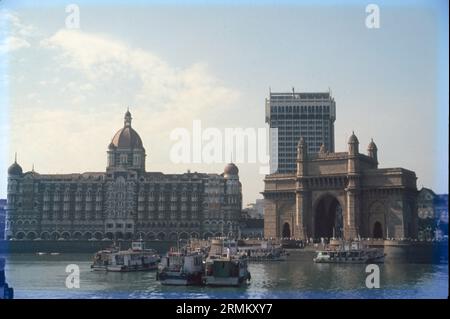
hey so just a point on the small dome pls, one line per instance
(353, 139)
(231, 169)
(111, 146)
(15, 169)
(372, 145)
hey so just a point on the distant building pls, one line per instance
(123, 202)
(441, 211)
(259, 206)
(252, 220)
(255, 210)
(252, 228)
(432, 211)
(2, 218)
(295, 115)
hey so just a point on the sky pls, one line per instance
(64, 90)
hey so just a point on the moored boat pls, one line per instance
(226, 271)
(264, 252)
(224, 266)
(353, 253)
(180, 268)
(137, 258)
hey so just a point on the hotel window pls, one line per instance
(137, 159)
(111, 159)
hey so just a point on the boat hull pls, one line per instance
(343, 260)
(267, 258)
(177, 279)
(131, 268)
(223, 281)
(377, 261)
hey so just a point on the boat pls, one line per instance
(224, 266)
(54, 254)
(180, 268)
(352, 253)
(102, 259)
(40, 253)
(226, 271)
(137, 258)
(264, 252)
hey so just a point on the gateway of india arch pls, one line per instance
(340, 195)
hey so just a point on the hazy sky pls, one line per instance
(63, 92)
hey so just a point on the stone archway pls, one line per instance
(286, 231)
(377, 230)
(377, 220)
(328, 219)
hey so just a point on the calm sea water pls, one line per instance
(34, 276)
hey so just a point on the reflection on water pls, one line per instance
(35, 276)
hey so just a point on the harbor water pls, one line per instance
(44, 276)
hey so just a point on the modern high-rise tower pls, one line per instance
(293, 115)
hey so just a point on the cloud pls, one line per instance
(15, 34)
(159, 85)
(147, 80)
(97, 78)
(12, 43)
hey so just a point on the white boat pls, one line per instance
(137, 258)
(180, 269)
(264, 252)
(352, 253)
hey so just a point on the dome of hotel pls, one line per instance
(231, 169)
(126, 137)
(15, 169)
